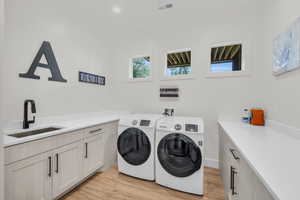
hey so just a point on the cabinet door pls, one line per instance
(110, 138)
(231, 169)
(67, 169)
(29, 179)
(224, 160)
(1, 169)
(261, 193)
(93, 154)
(227, 164)
(245, 181)
(226, 177)
(221, 153)
(234, 189)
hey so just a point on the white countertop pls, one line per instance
(66, 125)
(273, 153)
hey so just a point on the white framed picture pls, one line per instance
(286, 50)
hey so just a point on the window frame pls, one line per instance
(245, 70)
(130, 75)
(176, 77)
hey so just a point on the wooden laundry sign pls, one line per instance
(91, 78)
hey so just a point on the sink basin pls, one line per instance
(34, 132)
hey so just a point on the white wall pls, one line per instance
(77, 45)
(89, 37)
(1, 67)
(195, 25)
(282, 93)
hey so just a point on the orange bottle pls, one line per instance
(258, 117)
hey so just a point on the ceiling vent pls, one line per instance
(165, 4)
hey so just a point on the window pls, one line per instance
(222, 67)
(226, 58)
(140, 67)
(178, 63)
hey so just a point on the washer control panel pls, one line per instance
(182, 125)
(142, 122)
(191, 127)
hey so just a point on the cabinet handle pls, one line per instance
(233, 154)
(232, 181)
(231, 178)
(94, 131)
(56, 163)
(86, 150)
(50, 166)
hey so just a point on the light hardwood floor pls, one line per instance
(111, 185)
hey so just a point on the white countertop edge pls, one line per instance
(10, 141)
(6, 125)
(270, 124)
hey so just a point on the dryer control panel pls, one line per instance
(145, 122)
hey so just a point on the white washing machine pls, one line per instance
(136, 145)
(179, 154)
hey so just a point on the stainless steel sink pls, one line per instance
(34, 132)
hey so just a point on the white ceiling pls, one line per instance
(142, 16)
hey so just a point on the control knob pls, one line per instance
(178, 127)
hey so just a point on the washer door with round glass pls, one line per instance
(134, 146)
(179, 155)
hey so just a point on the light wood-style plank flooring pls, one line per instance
(112, 185)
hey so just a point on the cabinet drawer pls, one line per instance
(28, 149)
(69, 138)
(95, 130)
(230, 149)
(111, 127)
(25, 150)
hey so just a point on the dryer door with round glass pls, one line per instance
(179, 155)
(134, 146)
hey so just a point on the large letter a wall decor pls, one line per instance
(45, 50)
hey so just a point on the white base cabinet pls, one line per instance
(67, 169)
(30, 179)
(48, 168)
(245, 181)
(240, 181)
(93, 158)
(261, 192)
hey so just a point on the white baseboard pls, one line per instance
(211, 163)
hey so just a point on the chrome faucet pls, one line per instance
(26, 122)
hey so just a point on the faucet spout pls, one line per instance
(26, 122)
(33, 108)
